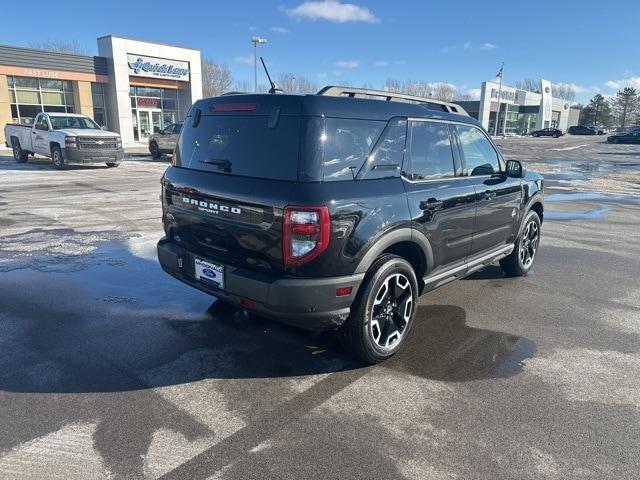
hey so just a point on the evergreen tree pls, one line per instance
(626, 106)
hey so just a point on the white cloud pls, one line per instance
(279, 29)
(332, 11)
(630, 81)
(381, 63)
(468, 45)
(347, 64)
(488, 46)
(244, 59)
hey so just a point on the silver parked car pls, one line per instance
(165, 140)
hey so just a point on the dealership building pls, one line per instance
(521, 111)
(132, 87)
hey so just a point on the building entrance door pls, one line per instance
(148, 123)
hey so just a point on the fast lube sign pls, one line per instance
(143, 66)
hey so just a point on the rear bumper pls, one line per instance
(76, 155)
(309, 303)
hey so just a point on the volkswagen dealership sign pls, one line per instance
(143, 66)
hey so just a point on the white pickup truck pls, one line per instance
(66, 138)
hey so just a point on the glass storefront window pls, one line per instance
(26, 96)
(26, 82)
(30, 96)
(53, 98)
(99, 104)
(152, 109)
(51, 84)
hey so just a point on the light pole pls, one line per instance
(256, 41)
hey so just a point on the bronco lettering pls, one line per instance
(211, 207)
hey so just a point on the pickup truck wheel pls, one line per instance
(19, 155)
(383, 311)
(154, 150)
(57, 158)
(520, 261)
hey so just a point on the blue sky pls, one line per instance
(584, 43)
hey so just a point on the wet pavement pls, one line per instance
(112, 369)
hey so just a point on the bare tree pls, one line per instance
(528, 84)
(564, 91)
(60, 46)
(245, 86)
(437, 90)
(216, 78)
(296, 84)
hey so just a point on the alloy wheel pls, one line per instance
(391, 311)
(529, 244)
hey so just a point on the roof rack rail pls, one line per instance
(430, 103)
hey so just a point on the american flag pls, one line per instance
(499, 74)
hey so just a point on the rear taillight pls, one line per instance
(306, 233)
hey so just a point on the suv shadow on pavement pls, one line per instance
(81, 334)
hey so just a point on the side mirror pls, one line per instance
(515, 169)
(39, 126)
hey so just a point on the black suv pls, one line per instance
(581, 130)
(329, 211)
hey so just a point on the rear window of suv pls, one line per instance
(244, 145)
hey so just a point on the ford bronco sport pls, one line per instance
(338, 210)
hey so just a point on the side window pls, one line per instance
(41, 123)
(430, 153)
(343, 145)
(386, 158)
(478, 153)
(177, 128)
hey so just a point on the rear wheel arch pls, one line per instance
(406, 243)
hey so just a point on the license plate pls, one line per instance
(209, 272)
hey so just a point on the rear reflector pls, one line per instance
(234, 107)
(248, 303)
(343, 291)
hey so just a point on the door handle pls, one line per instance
(488, 195)
(431, 204)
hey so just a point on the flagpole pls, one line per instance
(495, 133)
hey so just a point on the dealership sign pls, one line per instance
(142, 66)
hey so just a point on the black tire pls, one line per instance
(555, 135)
(535, 135)
(19, 155)
(614, 140)
(57, 158)
(365, 331)
(154, 150)
(112, 165)
(520, 261)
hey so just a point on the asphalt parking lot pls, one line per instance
(109, 368)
